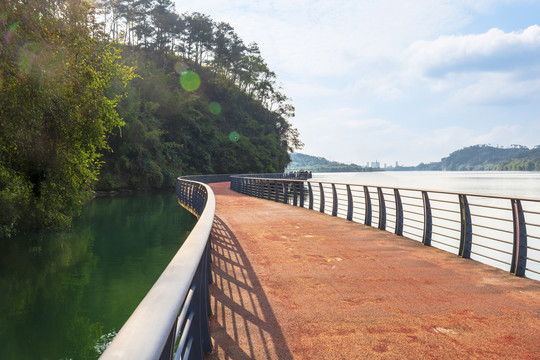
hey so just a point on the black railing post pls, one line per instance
(399, 213)
(278, 186)
(367, 200)
(350, 205)
(285, 192)
(310, 190)
(295, 193)
(382, 209)
(302, 195)
(426, 238)
(204, 306)
(168, 350)
(334, 200)
(519, 254)
(466, 228)
(321, 191)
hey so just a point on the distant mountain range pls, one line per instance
(477, 157)
(320, 164)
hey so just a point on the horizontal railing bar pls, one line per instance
(489, 206)
(535, 260)
(445, 219)
(491, 217)
(184, 312)
(534, 271)
(491, 258)
(413, 212)
(414, 227)
(492, 228)
(405, 232)
(491, 238)
(444, 236)
(445, 201)
(415, 220)
(413, 205)
(411, 197)
(446, 210)
(185, 332)
(494, 249)
(443, 243)
(446, 228)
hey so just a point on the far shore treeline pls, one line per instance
(126, 95)
(471, 158)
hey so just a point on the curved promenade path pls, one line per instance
(290, 283)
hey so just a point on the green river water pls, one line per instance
(64, 295)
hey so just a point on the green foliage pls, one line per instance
(15, 195)
(319, 164)
(479, 157)
(524, 161)
(56, 109)
(206, 107)
(61, 110)
(486, 157)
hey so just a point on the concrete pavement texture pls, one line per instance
(291, 283)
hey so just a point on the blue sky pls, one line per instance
(398, 80)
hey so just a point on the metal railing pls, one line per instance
(499, 231)
(216, 178)
(171, 322)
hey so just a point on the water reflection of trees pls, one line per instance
(42, 282)
(60, 292)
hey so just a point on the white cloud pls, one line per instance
(497, 90)
(394, 79)
(493, 51)
(492, 68)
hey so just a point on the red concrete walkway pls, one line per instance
(291, 283)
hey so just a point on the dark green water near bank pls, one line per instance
(64, 295)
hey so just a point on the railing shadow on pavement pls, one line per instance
(243, 324)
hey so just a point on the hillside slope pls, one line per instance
(479, 157)
(319, 164)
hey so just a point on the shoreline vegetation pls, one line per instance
(126, 95)
(472, 158)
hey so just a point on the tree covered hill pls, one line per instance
(203, 102)
(319, 164)
(479, 157)
(486, 157)
(527, 160)
(127, 94)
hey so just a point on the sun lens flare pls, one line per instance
(215, 108)
(190, 80)
(234, 136)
